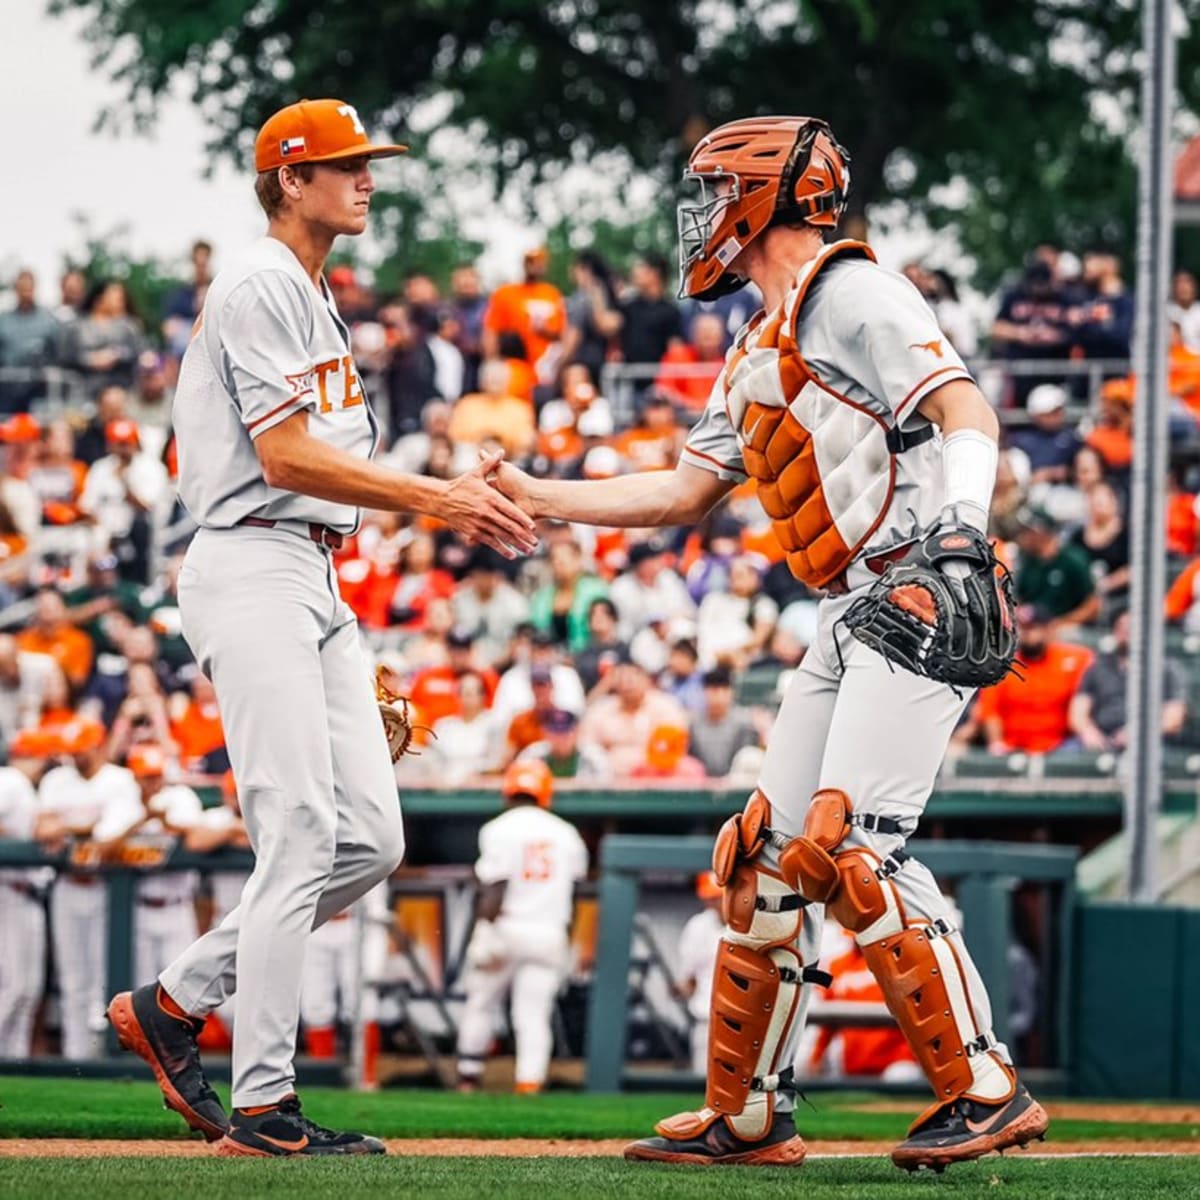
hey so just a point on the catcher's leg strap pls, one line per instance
(921, 976)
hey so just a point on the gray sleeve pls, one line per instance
(887, 338)
(712, 444)
(265, 327)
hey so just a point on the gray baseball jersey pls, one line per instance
(268, 345)
(868, 334)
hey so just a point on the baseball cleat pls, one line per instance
(283, 1131)
(715, 1144)
(168, 1043)
(967, 1129)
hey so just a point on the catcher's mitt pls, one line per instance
(944, 611)
(395, 711)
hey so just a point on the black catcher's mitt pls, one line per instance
(944, 611)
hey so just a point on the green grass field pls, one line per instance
(97, 1109)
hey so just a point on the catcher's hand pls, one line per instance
(395, 711)
(944, 611)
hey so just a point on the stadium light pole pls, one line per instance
(1143, 783)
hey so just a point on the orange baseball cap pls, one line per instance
(33, 743)
(529, 777)
(146, 759)
(707, 887)
(20, 428)
(667, 747)
(123, 432)
(315, 131)
(81, 735)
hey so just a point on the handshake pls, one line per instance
(493, 503)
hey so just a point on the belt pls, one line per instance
(23, 889)
(157, 901)
(875, 563)
(85, 880)
(321, 534)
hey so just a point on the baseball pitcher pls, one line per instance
(874, 455)
(275, 439)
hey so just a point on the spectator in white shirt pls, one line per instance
(23, 681)
(734, 626)
(488, 605)
(467, 744)
(649, 587)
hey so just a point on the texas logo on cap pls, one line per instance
(316, 131)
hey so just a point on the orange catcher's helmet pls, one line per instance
(752, 173)
(529, 777)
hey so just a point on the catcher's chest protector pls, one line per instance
(824, 471)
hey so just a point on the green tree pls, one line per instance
(1003, 99)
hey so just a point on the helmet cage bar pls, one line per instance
(696, 221)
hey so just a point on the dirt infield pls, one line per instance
(542, 1148)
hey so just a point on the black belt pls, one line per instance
(321, 534)
(157, 902)
(22, 888)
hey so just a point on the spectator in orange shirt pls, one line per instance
(435, 691)
(1112, 438)
(1032, 713)
(1182, 604)
(493, 413)
(653, 445)
(1181, 516)
(50, 633)
(418, 581)
(58, 476)
(196, 726)
(667, 757)
(534, 309)
(527, 728)
(702, 356)
(622, 719)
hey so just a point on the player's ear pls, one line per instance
(289, 183)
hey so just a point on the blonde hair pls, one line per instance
(269, 191)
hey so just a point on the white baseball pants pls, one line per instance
(22, 968)
(79, 927)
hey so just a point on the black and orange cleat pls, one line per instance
(282, 1131)
(168, 1043)
(967, 1129)
(705, 1139)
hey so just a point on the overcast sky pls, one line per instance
(154, 185)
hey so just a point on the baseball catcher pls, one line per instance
(944, 611)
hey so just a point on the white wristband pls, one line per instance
(969, 460)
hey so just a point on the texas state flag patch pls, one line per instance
(291, 146)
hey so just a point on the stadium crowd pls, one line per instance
(613, 656)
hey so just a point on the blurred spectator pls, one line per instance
(29, 341)
(150, 403)
(418, 581)
(532, 309)
(414, 452)
(952, 316)
(702, 356)
(1067, 503)
(183, 305)
(487, 604)
(494, 413)
(562, 608)
(733, 627)
(467, 742)
(527, 728)
(1029, 711)
(105, 342)
(1032, 324)
(1105, 539)
(649, 587)
(682, 678)
(522, 379)
(1181, 515)
(467, 306)
(1112, 435)
(105, 606)
(109, 684)
(593, 314)
(411, 377)
(143, 715)
(666, 757)
(427, 647)
(1098, 713)
(51, 633)
(515, 691)
(20, 435)
(1048, 442)
(435, 690)
(57, 711)
(1052, 573)
(721, 728)
(650, 320)
(23, 679)
(195, 727)
(448, 368)
(604, 647)
(1010, 494)
(125, 494)
(57, 477)
(73, 290)
(112, 404)
(622, 721)
(569, 424)
(1183, 310)
(1106, 316)
(1182, 603)
(562, 751)
(719, 544)
(698, 944)
(654, 443)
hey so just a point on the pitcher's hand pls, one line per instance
(483, 513)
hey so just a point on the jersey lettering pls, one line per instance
(348, 110)
(353, 389)
(539, 862)
(351, 393)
